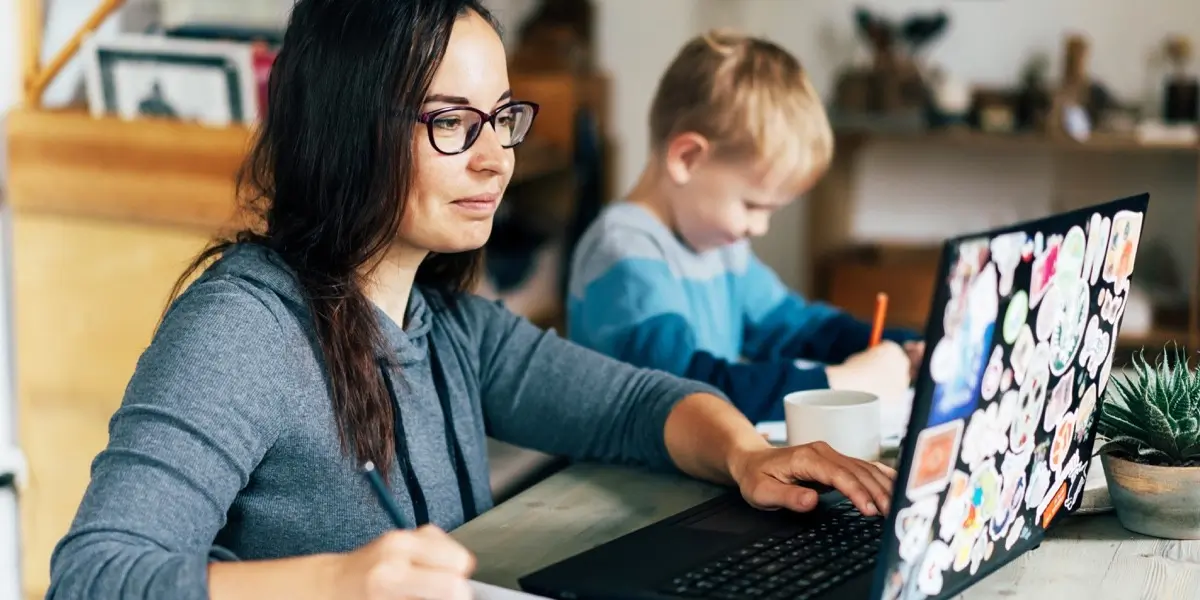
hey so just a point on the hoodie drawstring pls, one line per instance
(466, 496)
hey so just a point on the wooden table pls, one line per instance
(583, 506)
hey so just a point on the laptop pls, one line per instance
(1019, 350)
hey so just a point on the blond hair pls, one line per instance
(749, 97)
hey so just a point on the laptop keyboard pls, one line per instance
(797, 566)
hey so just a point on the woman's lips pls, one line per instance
(483, 203)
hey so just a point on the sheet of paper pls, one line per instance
(484, 591)
(893, 421)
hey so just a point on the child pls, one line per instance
(667, 279)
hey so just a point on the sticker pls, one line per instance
(1085, 413)
(1097, 244)
(1071, 257)
(1068, 328)
(1031, 398)
(1015, 464)
(957, 397)
(961, 547)
(978, 551)
(1106, 370)
(1095, 347)
(1049, 314)
(1041, 280)
(1122, 249)
(1039, 479)
(1006, 380)
(1022, 352)
(936, 560)
(914, 527)
(942, 363)
(1015, 315)
(1060, 400)
(1062, 443)
(1014, 533)
(1010, 409)
(1076, 494)
(1006, 253)
(1050, 507)
(983, 438)
(991, 375)
(1112, 306)
(1027, 251)
(936, 452)
(1010, 504)
(954, 509)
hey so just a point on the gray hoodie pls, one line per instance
(225, 446)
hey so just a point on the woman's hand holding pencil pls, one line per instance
(417, 564)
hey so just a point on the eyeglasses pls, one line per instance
(455, 128)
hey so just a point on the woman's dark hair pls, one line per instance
(326, 181)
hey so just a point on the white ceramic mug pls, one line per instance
(847, 420)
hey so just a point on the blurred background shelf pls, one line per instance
(154, 171)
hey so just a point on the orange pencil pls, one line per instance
(881, 300)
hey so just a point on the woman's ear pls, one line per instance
(684, 153)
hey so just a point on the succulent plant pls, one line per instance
(1153, 415)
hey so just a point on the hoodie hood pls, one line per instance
(265, 269)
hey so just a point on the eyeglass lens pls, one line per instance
(455, 130)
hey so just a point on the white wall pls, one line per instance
(908, 193)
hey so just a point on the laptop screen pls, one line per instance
(1019, 349)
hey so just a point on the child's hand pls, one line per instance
(883, 370)
(916, 352)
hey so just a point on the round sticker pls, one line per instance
(991, 375)
(942, 363)
(1022, 352)
(1014, 317)
(1069, 328)
(1071, 257)
(1049, 313)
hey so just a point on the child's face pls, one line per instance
(722, 202)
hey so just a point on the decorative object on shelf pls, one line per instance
(1151, 422)
(1033, 98)
(891, 89)
(1080, 103)
(1181, 97)
(557, 37)
(994, 111)
(950, 99)
(136, 76)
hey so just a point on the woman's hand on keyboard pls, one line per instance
(768, 478)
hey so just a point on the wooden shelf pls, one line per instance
(1017, 141)
(153, 171)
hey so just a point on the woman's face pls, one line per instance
(454, 197)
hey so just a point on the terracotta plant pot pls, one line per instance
(1162, 502)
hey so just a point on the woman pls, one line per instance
(340, 332)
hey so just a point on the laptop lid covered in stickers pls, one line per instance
(1019, 350)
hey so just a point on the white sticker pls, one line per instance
(991, 374)
(1122, 249)
(1072, 255)
(1006, 253)
(1061, 444)
(1095, 347)
(936, 561)
(1014, 532)
(1050, 313)
(1069, 327)
(1022, 353)
(1097, 243)
(943, 362)
(1060, 400)
(1085, 412)
(914, 527)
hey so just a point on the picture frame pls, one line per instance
(208, 82)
